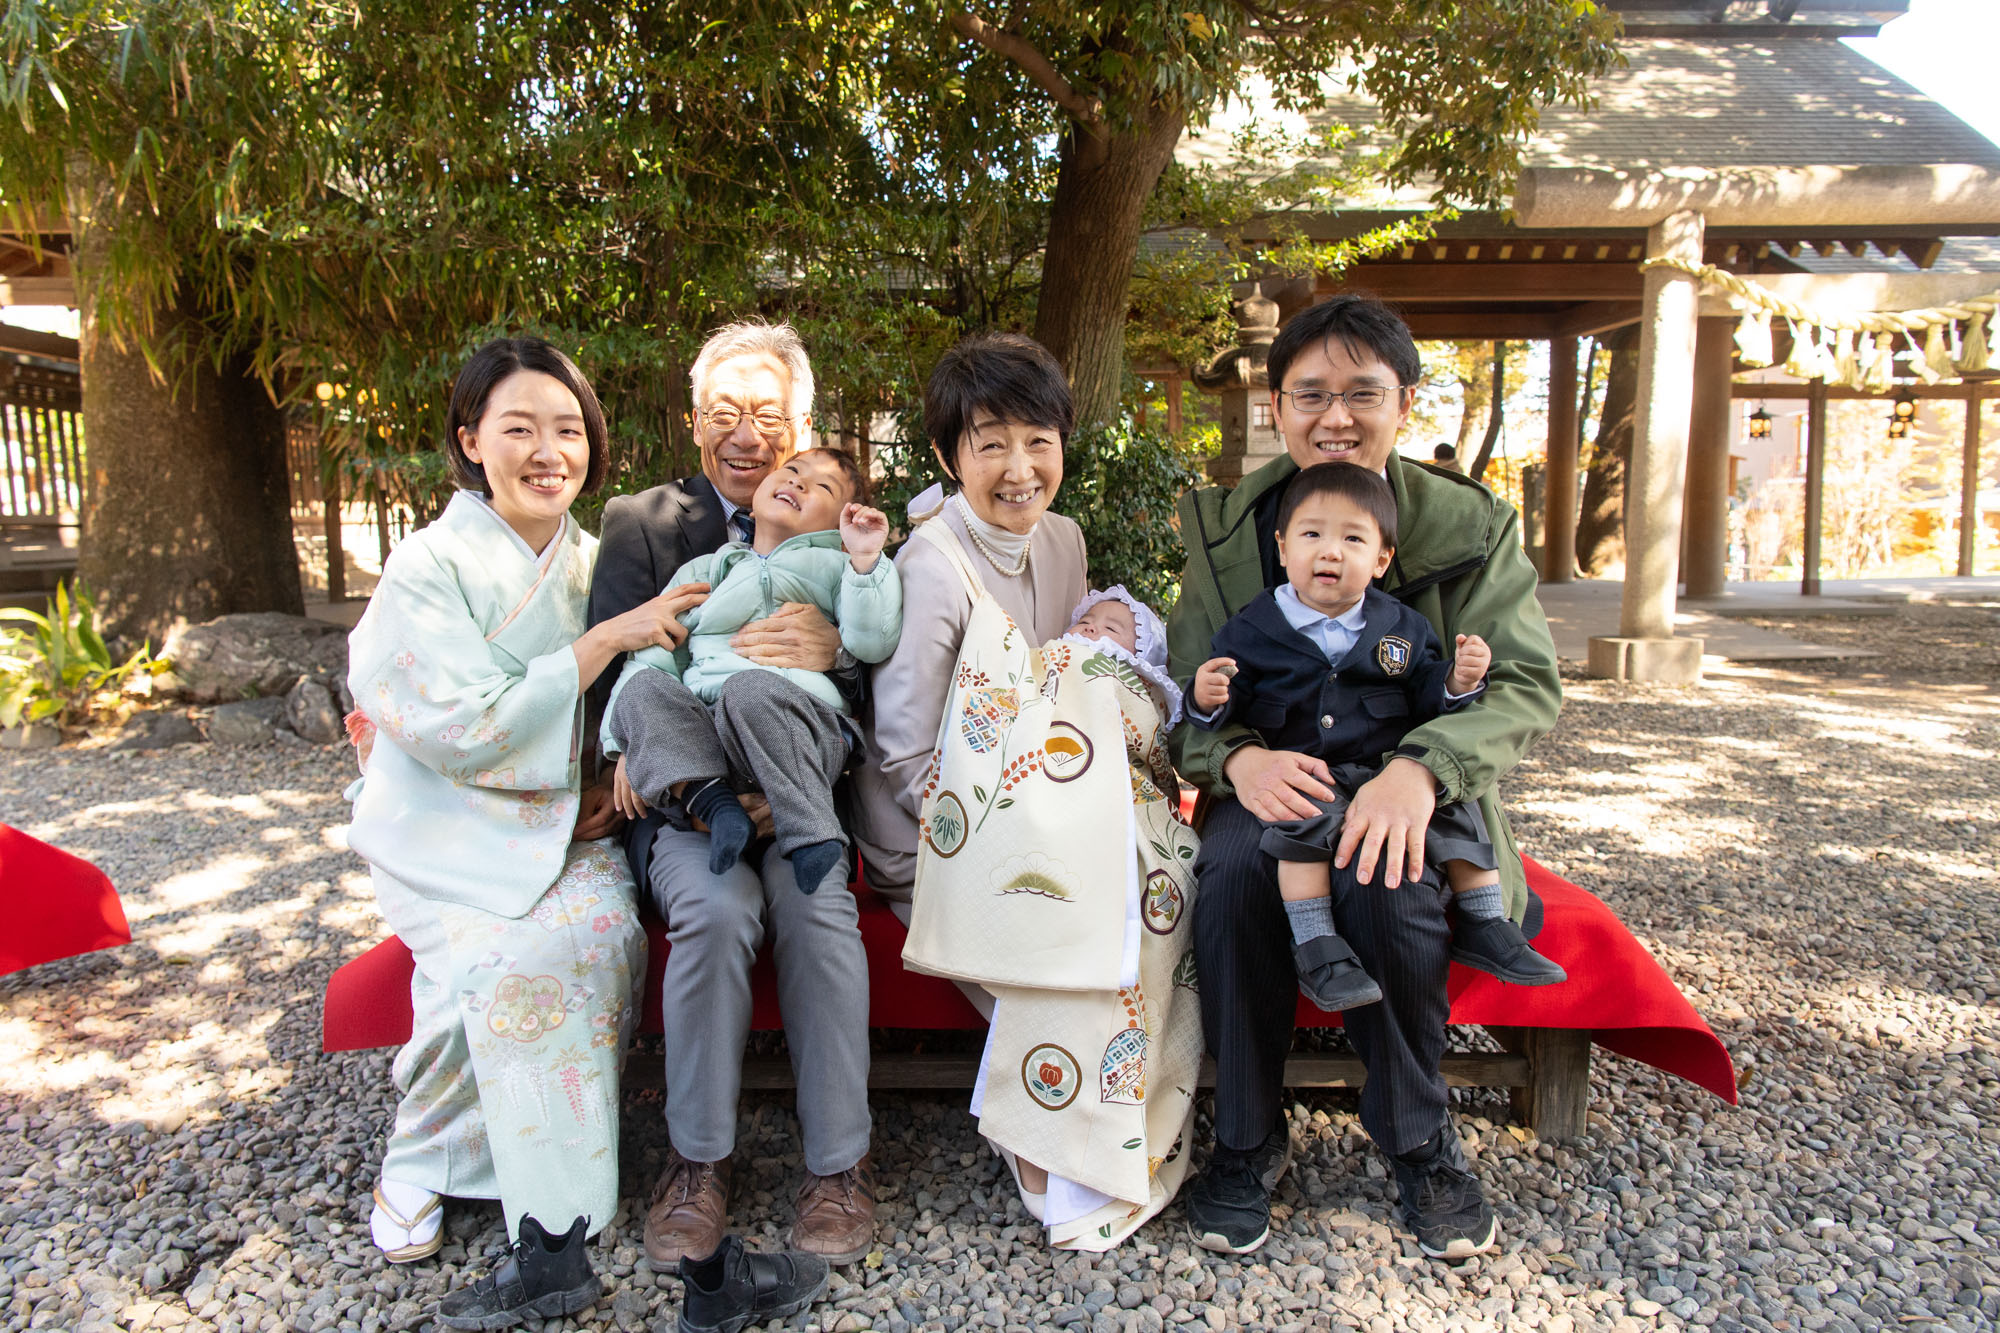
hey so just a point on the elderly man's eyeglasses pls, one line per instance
(768, 422)
(1312, 402)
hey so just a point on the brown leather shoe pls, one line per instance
(836, 1214)
(689, 1210)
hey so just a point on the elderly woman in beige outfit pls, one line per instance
(999, 411)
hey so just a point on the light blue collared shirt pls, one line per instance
(1334, 635)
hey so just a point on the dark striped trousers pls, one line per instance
(1243, 953)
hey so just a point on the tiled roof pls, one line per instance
(1691, 102)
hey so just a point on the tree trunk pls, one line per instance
(1495, 411)
(189, 515)
(1103, 180)
(1600, 529)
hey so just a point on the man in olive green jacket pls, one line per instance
(1344, 375)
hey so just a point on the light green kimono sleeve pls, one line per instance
(436, 688)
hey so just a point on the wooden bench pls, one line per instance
(1617, 997)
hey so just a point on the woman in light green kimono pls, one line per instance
(489, 860)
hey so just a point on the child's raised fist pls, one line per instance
(864, 532)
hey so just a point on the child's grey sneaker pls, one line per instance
(1331, 976)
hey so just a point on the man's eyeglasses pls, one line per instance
(1312, 402)
(768, 422)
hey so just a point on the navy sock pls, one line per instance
(811, 863)
(729, 829)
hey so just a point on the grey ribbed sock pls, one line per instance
(1483, 902)
(1310, 918)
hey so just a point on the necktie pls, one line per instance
(747, 525)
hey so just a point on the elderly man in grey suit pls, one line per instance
(753, 390)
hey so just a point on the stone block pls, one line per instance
(1675, 661)
(251, 722)
(157, 730)
(309, 708)
(31, 736)
(261, 652)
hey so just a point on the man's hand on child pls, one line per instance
(864, 532)
(1211, 683)
(1470, 665)
(623, 796)
(796, 635)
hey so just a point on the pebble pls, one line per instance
(176, 1153)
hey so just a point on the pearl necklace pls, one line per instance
(972, 526)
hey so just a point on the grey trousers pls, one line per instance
(763, 734)
(715, 925)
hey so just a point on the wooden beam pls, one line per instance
(1815, 485)
(1968, 509)
(1420, 281)
(38, 291)
(1588, 321)
(1837, 392)
(33, 342)
(1480, 325)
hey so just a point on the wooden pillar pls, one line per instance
(329, 494)
(1815, 484)
(382, 527)
(1559, 527)
(1645, 647)
(1711, 431)
(1968, 508)
(1555, 1100)
(1174, 406)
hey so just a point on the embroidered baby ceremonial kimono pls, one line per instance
(1053, 870)
(527, 945)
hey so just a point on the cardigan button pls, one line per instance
(1326, 721)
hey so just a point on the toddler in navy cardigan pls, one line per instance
(1328, 665)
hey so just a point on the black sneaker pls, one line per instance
(1229, 1204)
(546, 1276)
(1441, 1202)
(753, 1289)
(1494, 945)
(1331, 976)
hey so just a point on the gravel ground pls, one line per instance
(1807, 848)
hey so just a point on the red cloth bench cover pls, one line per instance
(1615, 989)
(57, 905)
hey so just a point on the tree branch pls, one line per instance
(1033, 63)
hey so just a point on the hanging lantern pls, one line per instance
(1901, 415)
(1760, 424)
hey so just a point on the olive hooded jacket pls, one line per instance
(1459, 562)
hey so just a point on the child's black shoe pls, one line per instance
(1494, 945)
(1331, 976)
(544, 1277)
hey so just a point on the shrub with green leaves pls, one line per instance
(53, 668)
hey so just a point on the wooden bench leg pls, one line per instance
(1555, 1100)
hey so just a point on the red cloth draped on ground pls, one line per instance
(55, 905)
(1615, 989)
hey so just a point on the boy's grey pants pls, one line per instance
(763, 733)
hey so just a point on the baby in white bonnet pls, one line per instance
(1113, 620)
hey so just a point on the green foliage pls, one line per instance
(356, 195)
(52, 669)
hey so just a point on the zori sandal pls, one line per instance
(399, 1238)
